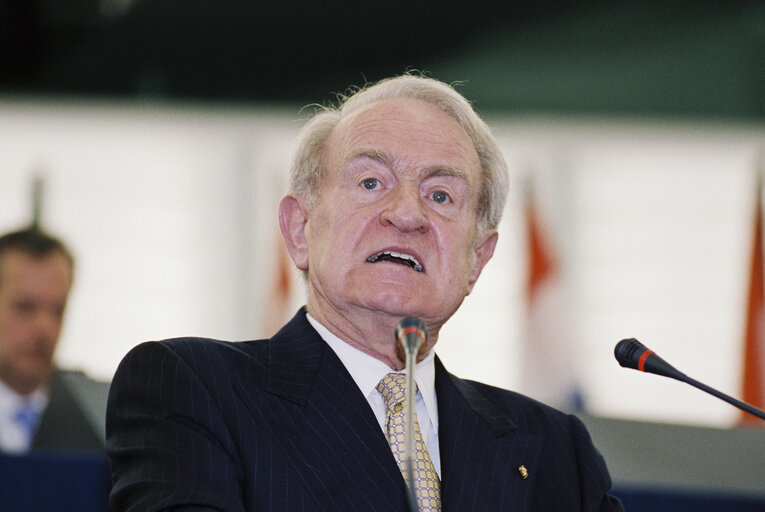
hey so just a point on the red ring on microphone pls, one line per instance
(415, 330)
(641, 363)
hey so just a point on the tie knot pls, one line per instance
(392, 387)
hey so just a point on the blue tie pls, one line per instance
(28, 417)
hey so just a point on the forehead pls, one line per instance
(23, 271)
(410, 130)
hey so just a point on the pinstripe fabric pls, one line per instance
(279, 424)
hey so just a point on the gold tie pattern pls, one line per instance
(427, 488)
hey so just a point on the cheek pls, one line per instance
(350, 227)
(11, 323)
(331, 241)
(459, 245)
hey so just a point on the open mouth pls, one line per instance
(396, 257)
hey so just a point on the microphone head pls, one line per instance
(632, 354)
(411, 334)
(628, 352)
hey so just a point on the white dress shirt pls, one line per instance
(14, 437)
(367, 373)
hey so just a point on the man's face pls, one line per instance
(33, 294)
(395, 226)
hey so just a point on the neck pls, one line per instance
(372, 332)
(24, 387)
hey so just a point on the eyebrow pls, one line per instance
(373, 154)
(388, 160)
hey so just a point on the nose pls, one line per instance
(405, 210)
(47, 324)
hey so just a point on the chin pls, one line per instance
(396, 305)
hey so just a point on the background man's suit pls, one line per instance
(73, 420)
(280, 424)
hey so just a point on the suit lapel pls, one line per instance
(481, 450)
(326, 429)
(325, 426)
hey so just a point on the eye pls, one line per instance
(370, 183)
(440, 197)
(24, 307)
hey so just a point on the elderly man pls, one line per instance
(394, 201)
(42, 408)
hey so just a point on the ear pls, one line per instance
(293, 217)
(483, 253)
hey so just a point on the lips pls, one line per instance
(400, 258)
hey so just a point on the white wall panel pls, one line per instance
(172, 215)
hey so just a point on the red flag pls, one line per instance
(277, 305)
(547, 369)
(542, 267)
(754, 343)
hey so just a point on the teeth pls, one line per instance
(387, 255)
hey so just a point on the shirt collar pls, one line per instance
(11, 401)
(367, 371)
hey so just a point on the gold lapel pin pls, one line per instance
(523, 471)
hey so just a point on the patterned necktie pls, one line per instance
(427, 487)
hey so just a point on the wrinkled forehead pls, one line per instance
(406, 128)
(397, 110)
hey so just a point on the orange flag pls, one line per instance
(754, 342)
(547, 371)
(277, 307)
(541, 266)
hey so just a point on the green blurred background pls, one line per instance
(652, 58)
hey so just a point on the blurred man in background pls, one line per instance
(41, 407)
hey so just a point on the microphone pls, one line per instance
(630, 353)
(411, 335)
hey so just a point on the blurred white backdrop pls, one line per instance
(171, 214)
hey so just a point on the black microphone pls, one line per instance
(411, 335)
(632, 354)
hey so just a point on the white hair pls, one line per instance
(307, 168)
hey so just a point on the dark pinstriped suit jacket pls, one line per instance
(280, 425)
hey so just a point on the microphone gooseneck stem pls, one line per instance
(411, 334)
(722, 396)
(409, 412)
(630, 353)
